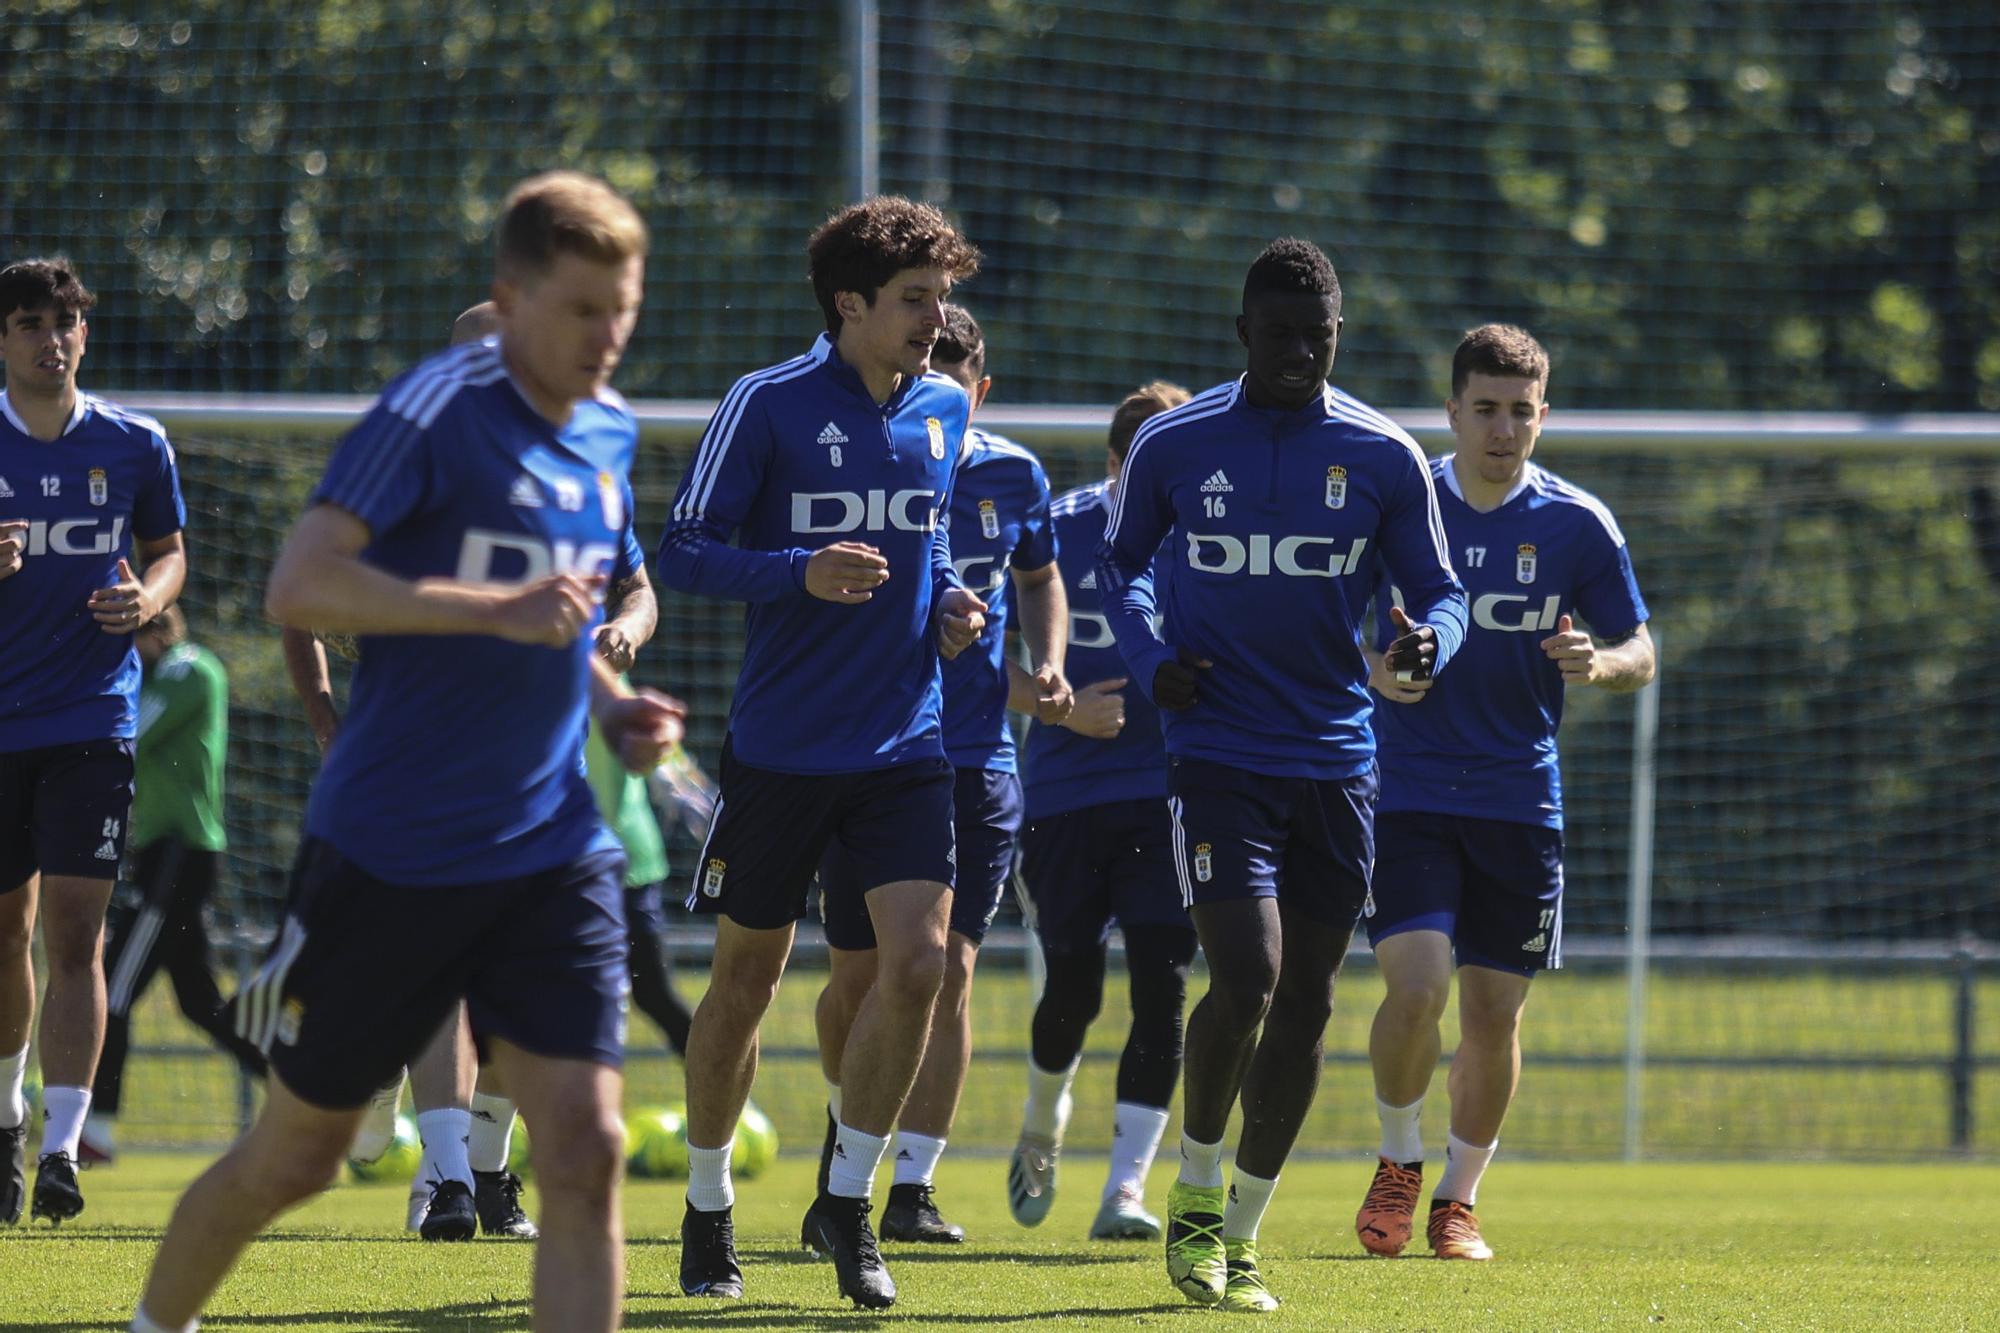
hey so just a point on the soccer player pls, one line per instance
(1096, 852)
(1468, 845)
(623, 802)
(1003, 546)
(177, 841)
(87, 489)
(835, 468)
(464, 1122)
(1274, 492)
(463, 529)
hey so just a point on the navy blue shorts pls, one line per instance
(364, 972)
(1308, 843)
(64, 810)
(1493, 887)
(986, 816)
(1083, 870)
(772, 830)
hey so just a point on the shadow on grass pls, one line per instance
(689, 1313)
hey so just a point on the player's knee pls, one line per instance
(1242, 1002)
(912, 977)
(16, 935)
(1489, 1022)
(584, 1155)
(73, 949)
(746, 987)
(1417, 1001)
(303, 1170)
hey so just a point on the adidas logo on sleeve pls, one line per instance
(525, 494)
(1216, 484)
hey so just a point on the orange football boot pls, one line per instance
(1454, 1233)
(1389, 1210)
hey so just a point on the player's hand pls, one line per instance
(1412, 657)
(125, 605)
(1053, 696)
(1574, 653)
(550, 612)
(1176, 685)
(1099, 712)
(1397, 691)
(846, 572)
(961, 619)
(13, 546)
(614, 645)
(642, 727)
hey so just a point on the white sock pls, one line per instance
(145, 1323)
(101, 1130)
(1135, 1137)
(13, 1077)
(1402, 1138)
(63, 1110)
(855, 1157)
(916, 1157)
(492, 1132)
(1249, 1196)
(1201, 1163)
(1463, 1166)
(710, 1190)
(444, 1133)
(711, 1187)
(1047, 1111)
(833, 1101)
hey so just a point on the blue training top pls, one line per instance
(1482, 740)
(461, 756)
(1274, 519)
(1066, 771)
(800, 456)
(109, 478)
(999, 521)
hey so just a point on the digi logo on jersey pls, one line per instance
(875, 511)
(1090, 629)
(74, 536)
(1258, 555)
(1511, 613)
(486, 556)
(988, 577)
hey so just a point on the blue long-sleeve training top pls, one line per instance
(1274, 520)
(800, 456)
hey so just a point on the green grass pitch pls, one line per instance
(1581, 1246)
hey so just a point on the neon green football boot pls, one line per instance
(1245, 1292)
(1196, 1264)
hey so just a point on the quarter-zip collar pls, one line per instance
(849, 378)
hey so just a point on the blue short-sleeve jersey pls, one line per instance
(107, 479)
(1482, 741)
(1274, 520)
(461, 756)
(797, 457)
(1066, 771)
(999, 521)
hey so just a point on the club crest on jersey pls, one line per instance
(1336, 487)
(1524, 563)
(989, 520)
(711, 878)
(1204, 862)
(936, 429)
(100, 486)
(569, 495)
(613, 501)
